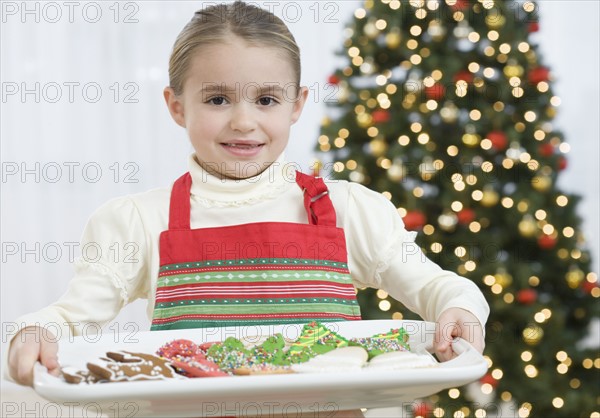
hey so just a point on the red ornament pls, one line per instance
(588, 287)
(333, 79)
(546, 149)
(498, 139)
(435, 92)
(380, 116)
(489, 379)
(421, 409)
(465, 216)
(546, 242)
(414, 220)
(533, 27)
(539, 74)
(562, 163)
(463, 75)
(527, 296)
(461, 4)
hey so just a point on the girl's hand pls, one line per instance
(32, 344)
(456, 322)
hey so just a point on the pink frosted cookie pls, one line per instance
(181, 348)
(198, 367)
(189, 358)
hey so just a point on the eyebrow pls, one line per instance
(223, 88)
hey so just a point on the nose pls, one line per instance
(242, 117)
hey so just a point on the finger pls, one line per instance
(473, 335)
(476, 340)
(55, 372)
(439, 330)
(446, 353)
(26, 358)
(446, 332)
(442, 346)
(13, 359)
(49, 358)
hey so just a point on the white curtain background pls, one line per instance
(83, 119)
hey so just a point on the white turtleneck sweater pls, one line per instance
(381, 253)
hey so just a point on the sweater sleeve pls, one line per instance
(384, 255)
(111, 272)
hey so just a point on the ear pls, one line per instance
(299, 103)
(175, 106)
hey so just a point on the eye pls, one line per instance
(267, 101)
(217, 100)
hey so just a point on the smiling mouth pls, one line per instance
(242, 146)
(243, 149)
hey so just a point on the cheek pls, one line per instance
(285, 125)
(205, 123)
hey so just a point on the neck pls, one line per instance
(240, 171)
(216, 190)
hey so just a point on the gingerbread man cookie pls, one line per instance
(76, 376)
(128, 366)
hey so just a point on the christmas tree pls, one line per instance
(446, 108)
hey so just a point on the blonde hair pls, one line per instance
(215, 23)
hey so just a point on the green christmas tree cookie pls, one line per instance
(394, 340)
(318, 339)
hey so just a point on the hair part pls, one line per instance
(216, 23)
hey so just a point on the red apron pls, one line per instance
(253, 274)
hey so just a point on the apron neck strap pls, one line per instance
(318, 205)
(179, 211)
(316, 200)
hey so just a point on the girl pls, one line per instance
(265, 244)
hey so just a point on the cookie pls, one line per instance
(271, 351)
(120, 357)
(205, 346)
(262, 369)
(342, 359)
(401, 360)
(137, 366)
(199, 368)
(318, 339)
(229, 354)
(394, 340)
(181, 348)
(76, 376)
(253, 341)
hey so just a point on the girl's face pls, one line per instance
(238, 104)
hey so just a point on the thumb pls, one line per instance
(445, 332)
(444, 335)
(49, 357)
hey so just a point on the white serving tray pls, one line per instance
(257, 395)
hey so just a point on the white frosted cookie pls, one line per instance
(401, 360)
(339, 360)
